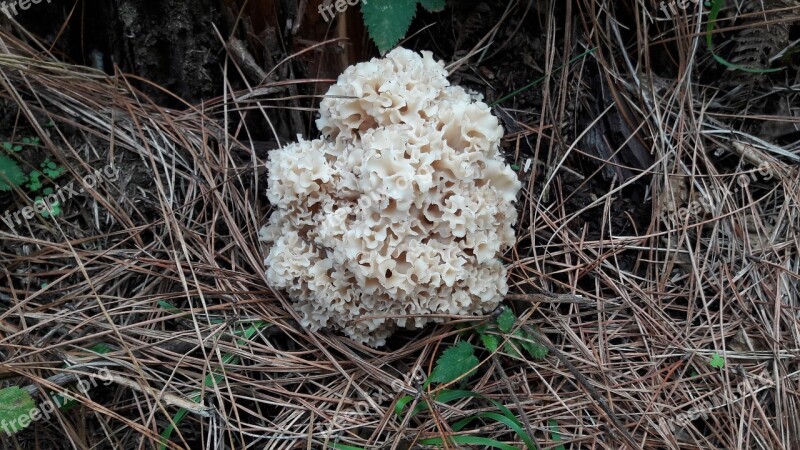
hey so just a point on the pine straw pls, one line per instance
(181, 226)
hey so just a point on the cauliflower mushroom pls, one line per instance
(400, 211)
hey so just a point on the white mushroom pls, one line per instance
(402, 209)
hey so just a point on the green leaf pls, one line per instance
(447, 396)
(101, 348)
(515, 167)
(51, 169)
(454, 362)
(10, 174)
(506, 321)
(555, 435)
(511, 348)
(432, 5)
(51, 210)
(388, 20)
(7, 145)
(401, 404)
(171, 308)
(510, 422)
(469, 440)
(16, 408)
(531, 345)
(490, 342)
(35, 183)
(717, 362)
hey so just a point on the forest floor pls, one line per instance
(657, 253)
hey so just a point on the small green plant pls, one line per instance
(460, 362)
(10, 173)
(49, 170)
(16, 406)
(455, 362)
(388, 21)
(34, 181)
(52, 209)
(518, 339)
(52, 170)
(717, 361)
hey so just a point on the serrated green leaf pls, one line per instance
(10, 174)
(388, 20)
(511, 348)
(531, 345)
(490, 342)
(432, 5)
(506, 321)
(717, 362)
(16, 408)
(454, 362)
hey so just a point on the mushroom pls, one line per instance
(400, 212)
